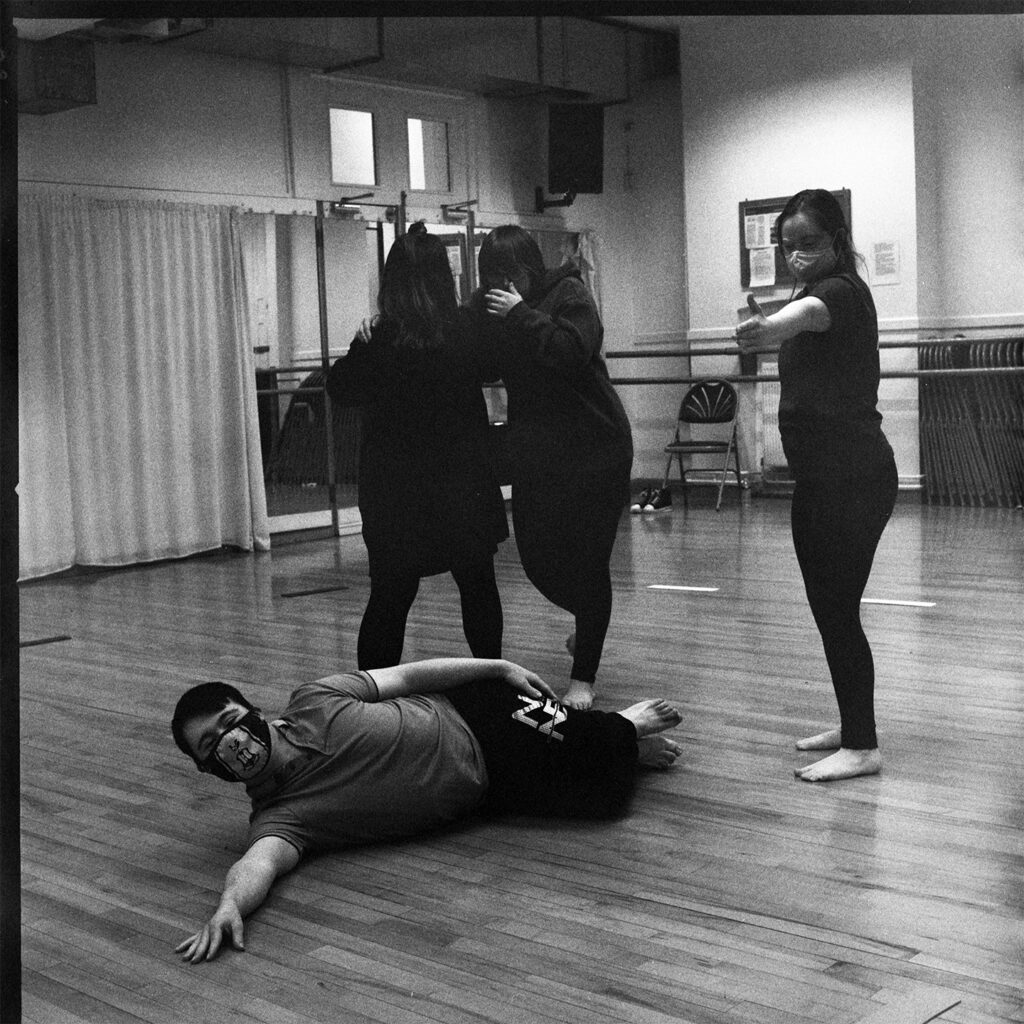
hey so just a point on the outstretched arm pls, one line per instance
(760, 331)
(439, 674)
(246, 887)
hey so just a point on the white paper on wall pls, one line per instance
(762, 267)
(757, 230)
(885, 262)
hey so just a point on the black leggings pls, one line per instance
(565, 543)
(382, 632)
(836, 528)
(545, 759)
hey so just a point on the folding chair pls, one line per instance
(707, 401)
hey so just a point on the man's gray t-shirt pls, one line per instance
(364, 769)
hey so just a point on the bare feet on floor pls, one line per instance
(651, 716)
(830, 739)
(843, 764)
(580, 695)
(658, 751)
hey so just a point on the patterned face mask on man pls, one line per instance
(241, 750)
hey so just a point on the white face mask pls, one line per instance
(805, 264)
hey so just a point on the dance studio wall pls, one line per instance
(920, 117)
(969, 123)
(639, 218)
(184, 125)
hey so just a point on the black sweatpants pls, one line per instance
(565, 533)
(837, 525)
(545, 759)
(382, 631)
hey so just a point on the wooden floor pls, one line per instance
(732, 893)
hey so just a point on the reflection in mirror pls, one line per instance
(428, 155)
(352, 160)
(280, 287)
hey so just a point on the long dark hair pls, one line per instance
(823, 208)
(508, 249)
(417, 291)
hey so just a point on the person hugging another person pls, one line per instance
(571, 444)
(842, 464)
(429, 500)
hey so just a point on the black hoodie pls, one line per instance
(563, 411)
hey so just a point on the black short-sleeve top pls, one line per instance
(828, 408)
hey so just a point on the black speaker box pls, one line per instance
(575, 147)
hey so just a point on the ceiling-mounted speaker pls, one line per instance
(575, 147)
(55, 74)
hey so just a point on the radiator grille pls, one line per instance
(772, 459)
(972, 428)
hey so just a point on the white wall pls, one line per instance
(639, 221)
(969, 121)
(155, 127)
(920, 117)
(772, 106)
(183, 125)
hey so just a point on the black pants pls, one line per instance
(565, 535)
(545, 759)
(382, 631)
(836, 528)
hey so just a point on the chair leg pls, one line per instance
(668, 469)
(736, 458)
(682, 481)
(725, 470)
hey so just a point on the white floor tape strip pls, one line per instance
(698, 590)
(918, 1006)
(904, 604)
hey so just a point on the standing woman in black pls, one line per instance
(841, 462)
(429, 500)
(572, 449)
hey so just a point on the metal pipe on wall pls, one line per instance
(325, 363)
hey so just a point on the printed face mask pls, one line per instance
(241, 751)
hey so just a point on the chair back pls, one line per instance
(709, 401)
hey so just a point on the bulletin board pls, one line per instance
(759, 233)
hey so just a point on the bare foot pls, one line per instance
(651, 716)
(658, 752)
(570, 643)
(580, 695)
(830, 739)
(843, 764)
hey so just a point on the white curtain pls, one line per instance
(139, 435)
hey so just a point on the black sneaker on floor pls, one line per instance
(642, 498)
(660, 500)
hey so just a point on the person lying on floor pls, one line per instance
(389, 753)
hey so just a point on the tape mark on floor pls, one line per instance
(697, 590)
(44, 640)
